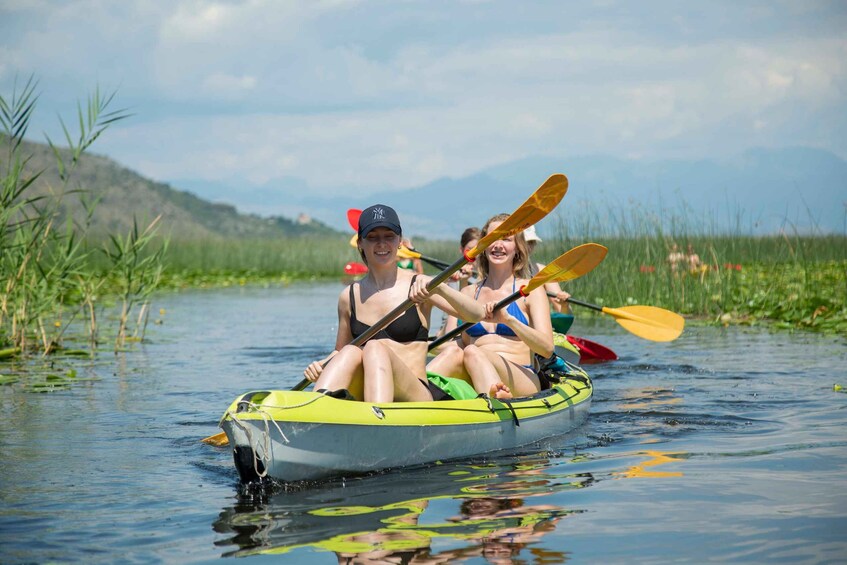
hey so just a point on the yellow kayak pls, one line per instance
(296, 435)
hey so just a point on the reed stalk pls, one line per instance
(45, 269)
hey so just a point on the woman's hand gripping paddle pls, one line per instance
(569, 266)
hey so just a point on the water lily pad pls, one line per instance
(9, 352)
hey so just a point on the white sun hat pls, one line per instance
(530, 235)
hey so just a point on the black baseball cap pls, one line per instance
(378, 216)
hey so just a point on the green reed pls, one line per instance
(786, 280)
(45, 259)
(790, 279)
(203, 262)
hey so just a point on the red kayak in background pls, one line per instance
(354, 269)
(591, 351)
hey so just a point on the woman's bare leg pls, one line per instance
(487, 369)
(480, 368)
(450, 363)
(522, 381)
(343, 371)
(388, 378)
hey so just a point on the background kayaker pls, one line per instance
(413, 264)
(559, 302)
(495, 355)
(391, 366)
(462, 278)
(693, 260)
(675, 257)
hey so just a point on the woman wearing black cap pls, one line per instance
(391, 366)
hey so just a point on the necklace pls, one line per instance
(378, 289)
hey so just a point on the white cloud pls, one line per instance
(196, 21)
(331, 93)
(228, 86)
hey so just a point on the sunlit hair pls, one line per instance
(469, 235)
(520, 265)
(362, 251)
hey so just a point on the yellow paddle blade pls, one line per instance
(649, 322)
(218, 440)
(530, 212)
(354, 241)
(405, 253)
(570, 265)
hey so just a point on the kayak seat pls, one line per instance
(341, 394)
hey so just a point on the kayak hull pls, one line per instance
(300, 436)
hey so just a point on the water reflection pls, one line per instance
(493, 510)
(655, 458)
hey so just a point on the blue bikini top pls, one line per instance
(478, 329)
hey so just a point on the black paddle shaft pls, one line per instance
(573, 300)
(437, 263)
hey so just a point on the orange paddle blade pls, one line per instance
(405, 253)
(218, 440)
(649, 322)
(579, 261)
(530, 212)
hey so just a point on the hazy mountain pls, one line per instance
(760, 191)
(121, 193)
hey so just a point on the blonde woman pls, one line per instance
(495, 355)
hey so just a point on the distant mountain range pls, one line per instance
(760, 191)
(122, 194)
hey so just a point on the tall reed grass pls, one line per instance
(791, 279)
(221, 260)
(45, 259)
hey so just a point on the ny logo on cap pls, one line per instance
(379, 214)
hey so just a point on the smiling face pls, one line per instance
(502, 251)
(379, 247)
(508, 252)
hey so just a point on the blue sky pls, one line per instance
(382, 95)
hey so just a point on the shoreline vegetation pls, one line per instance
(60, 284)
(47, 281)
(779, 281)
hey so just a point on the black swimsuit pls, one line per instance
(405, 329)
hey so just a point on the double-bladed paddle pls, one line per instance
(406, 253)
(353, 218)
(648, 322)
(566, 267)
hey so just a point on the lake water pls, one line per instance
(726, 445)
